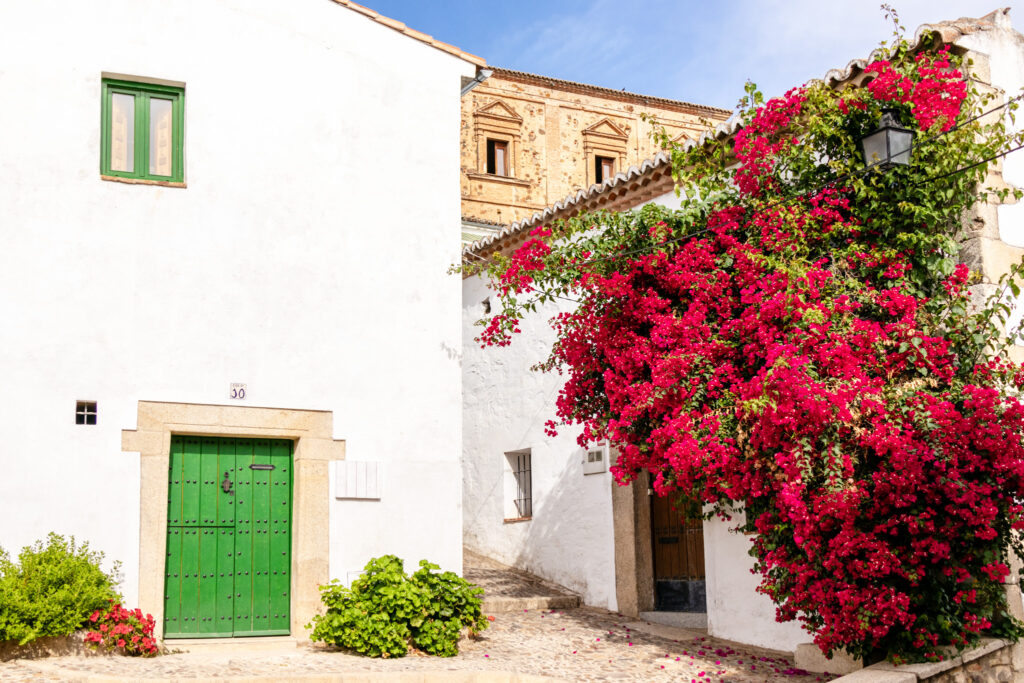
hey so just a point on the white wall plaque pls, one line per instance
(595, 460)
(358, 480)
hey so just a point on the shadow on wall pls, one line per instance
(452, 352)
(570, 539)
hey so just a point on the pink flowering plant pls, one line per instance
(799, 343)
(124, 631)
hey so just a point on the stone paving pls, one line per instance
(575, 644)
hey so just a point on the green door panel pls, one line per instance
(280, 484)
(228, 551)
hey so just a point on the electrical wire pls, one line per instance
(967, 168)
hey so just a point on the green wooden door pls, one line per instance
(228, 537)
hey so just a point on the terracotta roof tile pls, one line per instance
(483, 221)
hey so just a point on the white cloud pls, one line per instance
(704, 51)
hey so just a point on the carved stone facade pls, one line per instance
(555, 137)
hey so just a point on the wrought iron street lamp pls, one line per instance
(888, 146)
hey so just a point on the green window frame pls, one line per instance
(126, 152)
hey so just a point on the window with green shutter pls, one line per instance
(143, 126)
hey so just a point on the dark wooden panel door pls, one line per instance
(678, 544)
(228, 537)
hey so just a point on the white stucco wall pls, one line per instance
(306, 258)
(736, 611)
(569, 540)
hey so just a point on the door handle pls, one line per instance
(226, 485)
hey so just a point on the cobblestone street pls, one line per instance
(571, 644)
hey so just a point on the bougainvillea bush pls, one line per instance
(798, 341)
(123, 631)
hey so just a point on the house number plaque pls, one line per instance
(237, 391)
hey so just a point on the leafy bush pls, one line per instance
(386, 611)
(52, 589)
(125, 631)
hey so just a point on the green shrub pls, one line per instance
(52, 589)
(386, 611)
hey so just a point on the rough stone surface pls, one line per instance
(44, 647)
(507, 589)
(551, 155)
(993, 667)
(991, 662)
(809, 656)
(582, 644)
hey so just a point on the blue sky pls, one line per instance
(699, 51)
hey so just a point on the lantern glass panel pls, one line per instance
(875, 151)
(899, 145)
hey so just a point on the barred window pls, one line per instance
(519, 486)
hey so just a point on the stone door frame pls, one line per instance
(311, 430)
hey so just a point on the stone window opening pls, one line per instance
(497, 158)
(518, 486)
(604, 168)
(605, 146)
(497, 129)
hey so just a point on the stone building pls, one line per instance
(528, 141)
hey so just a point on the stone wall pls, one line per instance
(995, 661)
(988, 668)
(554, 130)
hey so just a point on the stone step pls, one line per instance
(510, 589)
(498, 605)
(260, 644)
(689, 620)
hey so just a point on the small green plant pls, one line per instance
(386, 612)
(52, 589)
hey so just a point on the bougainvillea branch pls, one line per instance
(798, 341)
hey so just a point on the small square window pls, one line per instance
(85, 413)
(604, 168)
(497, 158)
(142, 131)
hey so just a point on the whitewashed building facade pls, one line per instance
(602, 540)
(226, 231)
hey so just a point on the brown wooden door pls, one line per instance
(678, 544)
